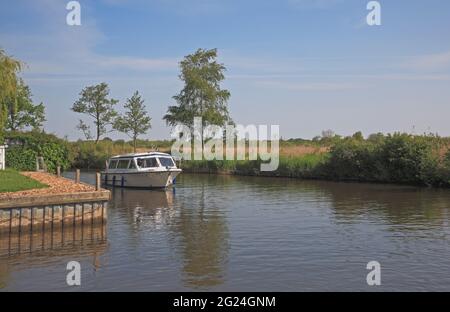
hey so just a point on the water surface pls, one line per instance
(225, 233)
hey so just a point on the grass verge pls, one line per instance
(13, 181)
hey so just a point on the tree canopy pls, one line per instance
(21, 112)
(9, 69)
(201, 95)
(95, 102)
(135, 121)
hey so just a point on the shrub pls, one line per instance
(26, 146)
(409, 159)
(21, 158)
(354, 159)
(398, 158)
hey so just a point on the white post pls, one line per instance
(2, 157)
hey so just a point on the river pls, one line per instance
(229, 233)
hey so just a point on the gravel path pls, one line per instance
(56, 186)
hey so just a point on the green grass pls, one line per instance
(13, 181)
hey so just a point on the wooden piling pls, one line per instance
(97, 181)
(77, 176)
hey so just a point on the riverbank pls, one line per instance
(397, 159)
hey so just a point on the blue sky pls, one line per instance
(306, 65)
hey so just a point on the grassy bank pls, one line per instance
(13, 181)
(398, 158)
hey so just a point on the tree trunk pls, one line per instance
(134, 143)
(98, 132)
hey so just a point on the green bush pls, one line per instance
(22, 159)
(26, 146)
(397, 158)
(409, 159)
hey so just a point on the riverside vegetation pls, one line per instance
(393, 158)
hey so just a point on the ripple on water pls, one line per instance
(247, 233)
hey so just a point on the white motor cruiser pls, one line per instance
(144, 170)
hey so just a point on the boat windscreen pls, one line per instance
(166, 161)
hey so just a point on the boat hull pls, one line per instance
(149, 179)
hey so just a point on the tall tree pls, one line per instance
(9, 68)
(95, 102)
(135, 121)
(21, 112)
(202, 95)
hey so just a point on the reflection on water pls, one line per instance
(197, 232)
(244, 233)
(21, 250)
(202, 234)
(59, 239)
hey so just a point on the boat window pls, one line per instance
(132, 165)
(140, 162)
(147, 162)
(166, 162)
(151, 163)
(123, 164)
(112, 164)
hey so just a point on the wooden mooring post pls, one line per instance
(97, 181)
(77, 176)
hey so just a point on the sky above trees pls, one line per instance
(307, 65)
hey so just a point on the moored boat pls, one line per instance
(143, 170)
